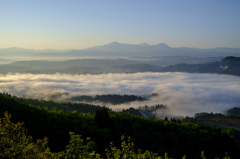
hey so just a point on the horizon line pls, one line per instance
(143, 43)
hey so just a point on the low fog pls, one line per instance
(183, 94)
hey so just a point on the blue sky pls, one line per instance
(78, 24)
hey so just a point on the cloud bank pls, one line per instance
(183, 94)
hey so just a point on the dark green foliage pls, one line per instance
(78, 149)
(128, 151)
(56, 125)
(79, 107)
(149, 111)
(132, 111)
(103, 119)
(166, 118)
(234, 111)
(15, 142)
(158, 136)
(205, 115)
(83, 98)
(174, 138)
(110, 98)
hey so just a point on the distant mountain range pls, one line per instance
(116, 49)
(121, 58)
(162, 49)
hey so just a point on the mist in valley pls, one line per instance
(183, 94)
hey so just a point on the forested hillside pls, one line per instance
(109, 98)
(177, 138)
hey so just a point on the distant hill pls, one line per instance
(137, 68)
(15, 51)
(109, 98)
(228, 65)
(69, 66)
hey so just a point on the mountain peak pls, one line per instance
(114, 43)
(144, 44)
(163, 45)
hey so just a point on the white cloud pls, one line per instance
(183, 93)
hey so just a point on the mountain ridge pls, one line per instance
(228, 65)
(117, 50)
(118, 43)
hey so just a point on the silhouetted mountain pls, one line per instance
(228, 65)
(120, 47)
(15, 51)
(146, 50)
(137, 68)
(69, 66)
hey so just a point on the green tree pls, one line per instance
(15, 143)
(128, 151)
(77, 148)
(103, 119)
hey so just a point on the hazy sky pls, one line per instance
(78, 24)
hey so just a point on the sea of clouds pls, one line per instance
(184, 94)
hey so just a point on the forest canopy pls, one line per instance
(177, 138)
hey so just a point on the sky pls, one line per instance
(79, 24)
